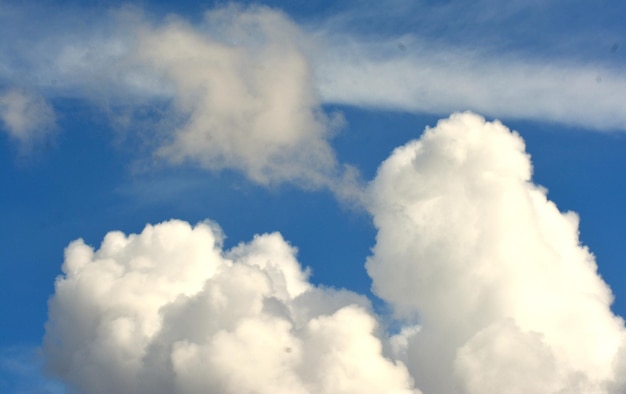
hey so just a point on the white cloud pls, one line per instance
(487, 276)
(26, 117)
(506, 297)
(244, 90)
(74, 52)
(496, 291)
(168, 311)
(409, 74)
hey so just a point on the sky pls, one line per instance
(312, 197)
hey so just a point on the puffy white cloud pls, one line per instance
(26, 117)
(506, 297)
(168, 311)
(487, 276)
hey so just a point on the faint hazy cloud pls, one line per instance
(489, 278)
(27, 117)
(409, 65)
(408, 74)
(244, 91)
(234, 92)
(20, 372)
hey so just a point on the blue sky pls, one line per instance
(102, 112)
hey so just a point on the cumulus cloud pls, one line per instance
(26, 117)
(506, 297)
(487, 275)
(487, 280)
(168, 311)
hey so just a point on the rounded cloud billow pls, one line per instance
(507, 298)
(488, 277)
(168, 311)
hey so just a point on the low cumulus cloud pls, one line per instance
(169, 311)
(487, 280)
(27, 117)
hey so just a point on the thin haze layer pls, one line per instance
(234, 92)
(409, 66)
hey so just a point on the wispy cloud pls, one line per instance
(26, 116)
(526, 60)
(237, 88)
(408, 74)
(21, 373)
(244, 94)
(409, 62)
(490, 286)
